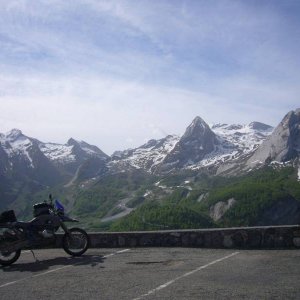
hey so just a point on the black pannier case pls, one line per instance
(41, 209)
(8, 216)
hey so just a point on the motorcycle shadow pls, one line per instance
(61, 262)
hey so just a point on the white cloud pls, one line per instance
(99, 110)
(106, 112)
(114, 73)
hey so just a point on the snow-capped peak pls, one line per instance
(235, 141)
(85, 148)
(14, 134)
(243, 137)
(14, 143)
(198, 123)
(70, 152)
(200, 146)
(14, 140)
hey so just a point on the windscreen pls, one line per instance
(59, 206)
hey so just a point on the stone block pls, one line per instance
(227, 241)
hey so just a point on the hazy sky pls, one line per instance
(117, 73)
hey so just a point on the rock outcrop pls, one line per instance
(282, 145)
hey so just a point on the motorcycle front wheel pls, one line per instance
(76, 241)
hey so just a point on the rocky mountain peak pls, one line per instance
(14, 134)
(72, 142)
(289, 128)
(198, 121)
(292, 118)
(199, 131)
(197, 128)
(83, 150)
(283, 144)
(197, 141)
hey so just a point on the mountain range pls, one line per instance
(199, 147)
(29, 166)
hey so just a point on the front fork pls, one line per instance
(64, 227)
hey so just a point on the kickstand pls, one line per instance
(36, 260)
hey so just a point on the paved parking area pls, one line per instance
(154, 273)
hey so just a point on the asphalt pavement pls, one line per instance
(154, 273)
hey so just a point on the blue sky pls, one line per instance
(117, 73)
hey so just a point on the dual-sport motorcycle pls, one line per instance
(40, 231)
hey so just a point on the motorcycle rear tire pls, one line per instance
(8, 262)
(82, 237)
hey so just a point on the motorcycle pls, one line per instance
(40, 231)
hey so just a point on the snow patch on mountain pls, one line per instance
(88, 150)
(244, 137)
(147, 156)
(235, 141)
(71, 152)
(57, 152)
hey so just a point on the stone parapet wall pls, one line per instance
(270, 237)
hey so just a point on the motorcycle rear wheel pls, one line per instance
(75, 242)
(8, 258)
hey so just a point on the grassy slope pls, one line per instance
(254, 193)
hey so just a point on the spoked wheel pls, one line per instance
(76, 241)
(8, 258)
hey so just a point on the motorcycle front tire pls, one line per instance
(76, 241)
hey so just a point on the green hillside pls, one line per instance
(255, 194)
(176, 201)
(153, 216)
